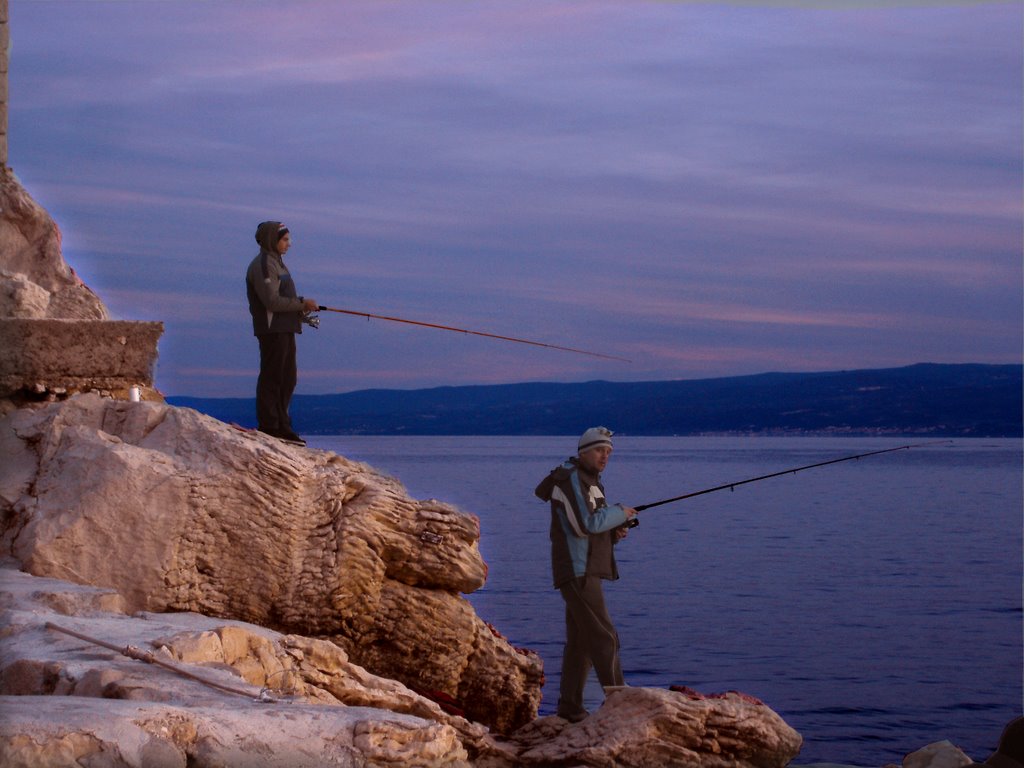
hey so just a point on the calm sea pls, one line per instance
(875, 604)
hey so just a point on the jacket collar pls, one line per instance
(591, 477)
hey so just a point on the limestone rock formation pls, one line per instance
(37, 282)
(647, 726)
(82, 682)
(56, 336)
(941, 754)
(180, 512)
(216, 693)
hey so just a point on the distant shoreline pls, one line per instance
(916, 401)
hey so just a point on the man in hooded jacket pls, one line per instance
(583, 531)
(277, 312)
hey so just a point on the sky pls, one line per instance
(705, 189)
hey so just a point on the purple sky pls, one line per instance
(707, 189)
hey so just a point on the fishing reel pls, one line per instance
(310, 319)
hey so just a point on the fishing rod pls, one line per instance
(369, 315)
(634, 522)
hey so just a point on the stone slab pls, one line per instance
(41, 355)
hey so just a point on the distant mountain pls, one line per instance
(923, 399)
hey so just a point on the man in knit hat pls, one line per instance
(584, 530)
(277, 312)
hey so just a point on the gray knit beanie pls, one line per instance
(594, 437)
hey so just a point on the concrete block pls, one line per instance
(48, 355)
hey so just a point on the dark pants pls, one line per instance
(590, 641)
(276, 383)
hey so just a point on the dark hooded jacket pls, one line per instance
(273, 303)
(582, 523)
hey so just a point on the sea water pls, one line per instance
(875, 604)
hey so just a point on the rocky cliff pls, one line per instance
(37, 281)
(179, 512)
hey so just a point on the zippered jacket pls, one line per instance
(273, 302)
(582, 524)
